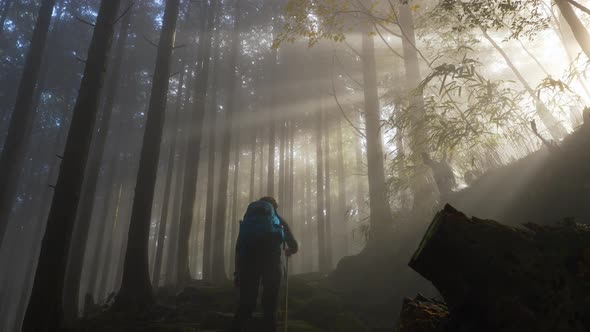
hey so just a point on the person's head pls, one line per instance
(270, 200)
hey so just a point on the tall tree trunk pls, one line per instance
(261, 165)
(194, 147)
(253, 148)
(218, 272)
(554, 127)
(423, 192)
(378, 204)
(270, 183)
(328, 193)
(23, 114)
(321, 219)
(580, 32)
(234, 222)
(282, 160)
(342, 215)
(77, 250)
(44, 311)
(136, 289)
(209, 209)
(104, 226)
(113, 256)
(291, 186)
(168, 186)
(171, 243)
(360, 169)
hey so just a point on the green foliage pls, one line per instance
(316, 20)
(523, 18)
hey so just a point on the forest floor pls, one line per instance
(313, 307)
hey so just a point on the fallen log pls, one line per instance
(499, 278)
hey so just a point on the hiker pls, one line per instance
(258, 260)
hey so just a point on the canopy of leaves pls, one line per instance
(521, 17)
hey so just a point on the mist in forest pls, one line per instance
(135, 133)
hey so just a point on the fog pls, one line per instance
(134, 134)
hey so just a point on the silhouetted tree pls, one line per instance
(218, 272)
(194, 148)
(78, 248)
(44, 311)
(21, 121)
(136, 289)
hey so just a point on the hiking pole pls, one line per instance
(287, 294)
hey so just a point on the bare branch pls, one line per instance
(335, 95)
(579, 6)
(149, 41)
(125, 12)
(84, 21)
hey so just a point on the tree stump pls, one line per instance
(499, 278)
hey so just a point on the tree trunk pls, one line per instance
(261, 165)
(253, 148)
(194, 147)
(233, 221)
(291, 186)
(111, 207)
(168, 186)
(171, 243)
(423, 192)
(321, 219)
(580, 32)
(209, 213)
(218, 272)
(45, 305)
(306, 239)
(328, 193)
(104, 226)
(379, 206)
(342, 215)
(554, 127)
(136, 289)
(23, 114)
(282, 160)
(77, 250)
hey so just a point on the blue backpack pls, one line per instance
(260, 230)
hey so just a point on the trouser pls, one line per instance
(252, 274)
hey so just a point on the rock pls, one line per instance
(499, 278)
